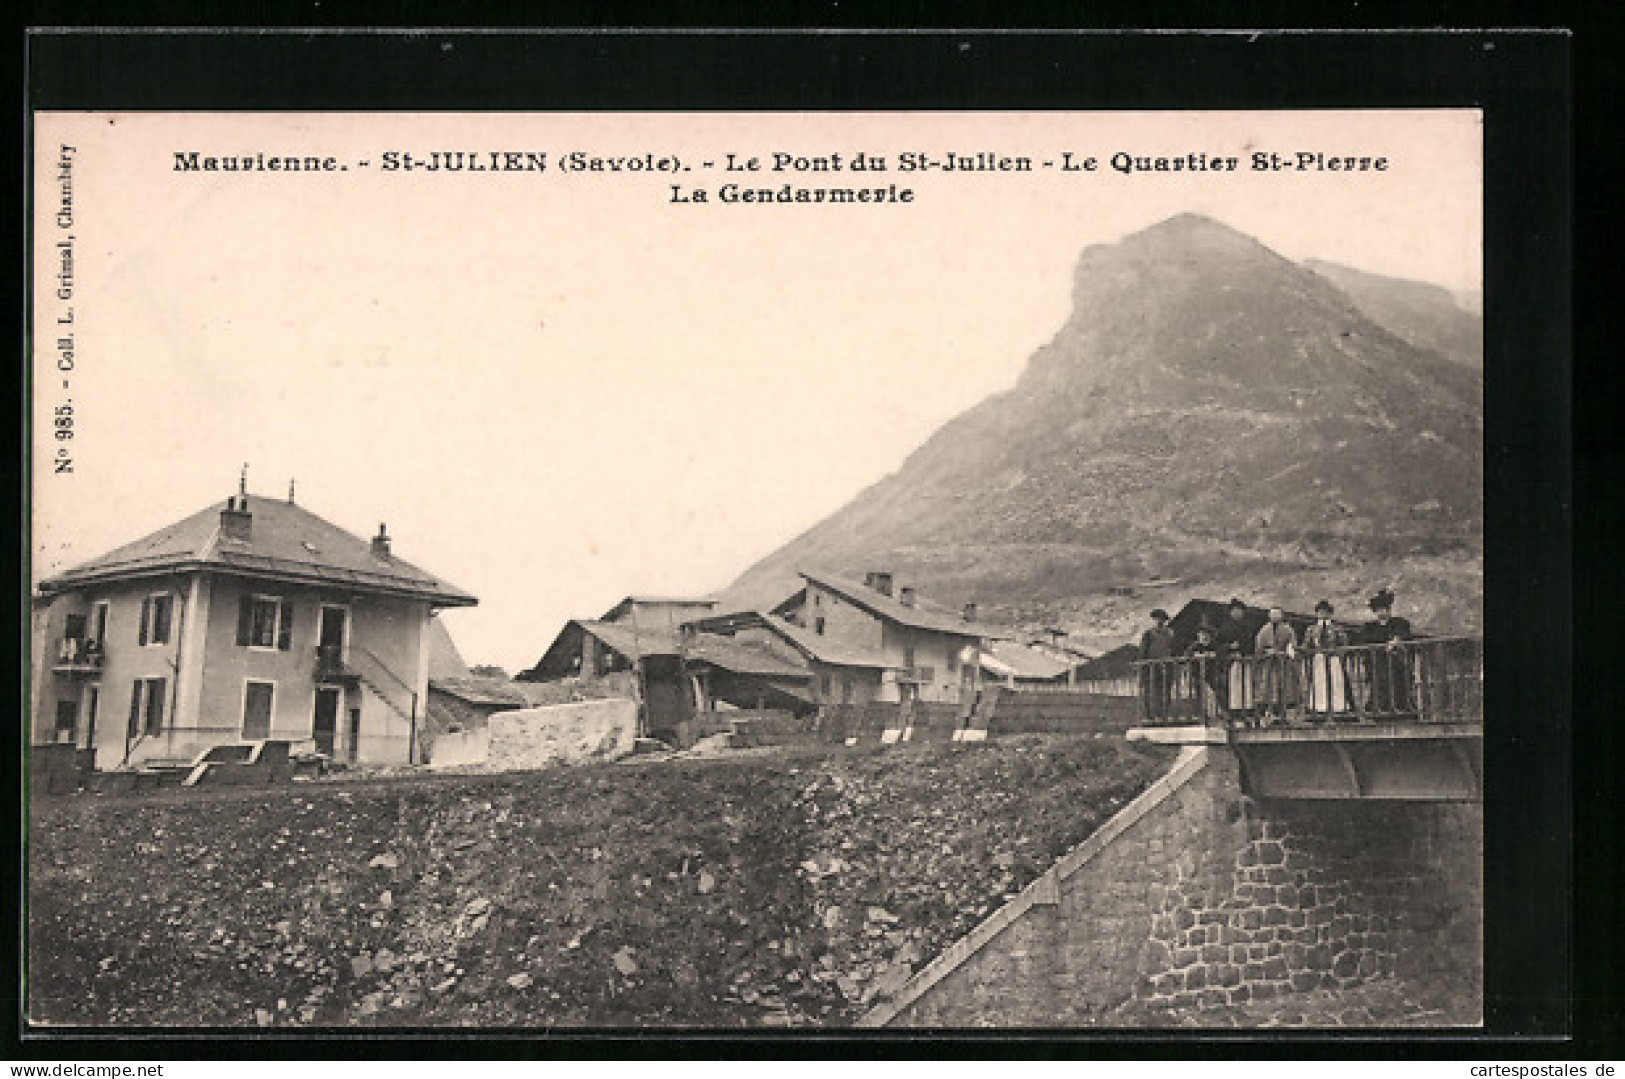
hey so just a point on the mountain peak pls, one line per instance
(1191, 236)
(1208, 404)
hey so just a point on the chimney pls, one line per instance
(236, 523)
(905, 595)
(380, 543)
(970, 612)
(880, 581)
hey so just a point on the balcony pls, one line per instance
(916, 676)
(331, 667)
(78, 657)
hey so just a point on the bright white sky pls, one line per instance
(560, 389)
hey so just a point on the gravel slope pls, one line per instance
(784, 888)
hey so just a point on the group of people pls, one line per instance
(1260, 674)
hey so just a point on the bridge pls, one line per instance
(1399, 721)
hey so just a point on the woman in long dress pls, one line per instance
(1328, 681)
(1237, 641)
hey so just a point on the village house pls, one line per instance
(833, 643)
(640, 634)
(830, 672)
(250, 620)
(926, 653)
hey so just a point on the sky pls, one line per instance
(558, 388)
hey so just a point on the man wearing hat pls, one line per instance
(1276, 644)
(1390, 668)
(1328, 682)
(1156, 646)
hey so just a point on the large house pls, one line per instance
(925, 653)
(253, 619)
(833, 643)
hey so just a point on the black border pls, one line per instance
(1522, 81)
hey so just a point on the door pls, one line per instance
(330, 634)
(67, 720)
(257, 710)
(355, 734)
(93, 701)
(324, 727)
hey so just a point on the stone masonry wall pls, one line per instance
(1322, 895)
(1195, 895)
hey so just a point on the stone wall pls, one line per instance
(562, 734)
(1195, 895)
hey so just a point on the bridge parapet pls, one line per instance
(1434, 680)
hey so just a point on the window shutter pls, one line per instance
(245, 616)
(284, 631)
(135, 708)
(146, 614)
(160, 621)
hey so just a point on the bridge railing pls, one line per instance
(1433, 680)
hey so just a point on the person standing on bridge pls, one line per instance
(1207, 672)
(1390, 667)
(1156, 649)
(1276, 646)
(1328, 683)
(1236, 642)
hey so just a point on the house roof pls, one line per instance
(920, 615)
(445, 661)
(810, 644)
(286, 542)
(626, 604)
(477, 690)
(563, 654)
(741, 658)
(1010, 659)
(629, 642)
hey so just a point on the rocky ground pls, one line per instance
(787, 888)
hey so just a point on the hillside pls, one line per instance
(765, 888)
(1210, 411)
(1426, 316)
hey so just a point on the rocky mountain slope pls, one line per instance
(1426, 316)
(1210, 412)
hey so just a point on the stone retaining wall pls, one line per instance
(562, 734)
(1195, 895)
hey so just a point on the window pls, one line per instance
(265, 622)
(156, 610)
(257, 709)
(147, 706)
(67, 720)
(823, 685)
(818, 625)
